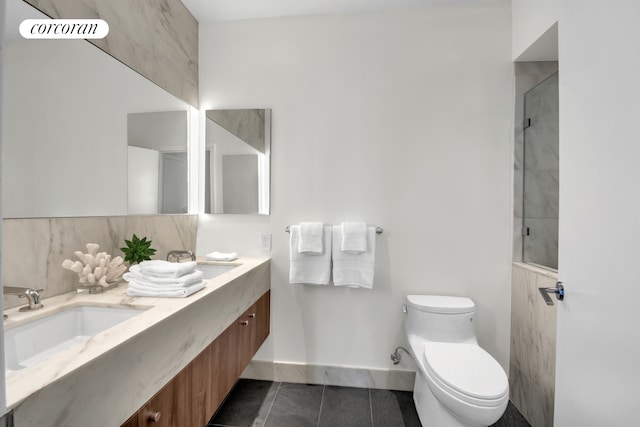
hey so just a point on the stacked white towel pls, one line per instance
(354, 269)
(164, 279)
(308, 267)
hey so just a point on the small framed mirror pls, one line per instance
(237, 161)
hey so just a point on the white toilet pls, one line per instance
(458, 384)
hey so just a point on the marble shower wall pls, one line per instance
(33, 249)
(541, 245)
(158, 39)
(533, 345)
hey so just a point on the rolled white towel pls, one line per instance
(137, 290)
(221, 256)
(311, 239)
(159, 268)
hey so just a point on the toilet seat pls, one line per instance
(467, 372)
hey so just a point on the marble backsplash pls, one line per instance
(158, 39)
(533, 345)
(33, 249)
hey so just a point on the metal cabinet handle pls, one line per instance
(558, 290)
(244, 323)
(251, 316)
(153, 416)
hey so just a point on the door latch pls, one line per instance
(558, 290)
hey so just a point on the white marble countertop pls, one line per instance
(54, 370)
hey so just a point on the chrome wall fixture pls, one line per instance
(378, 229)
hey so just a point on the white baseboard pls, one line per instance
(330, 375)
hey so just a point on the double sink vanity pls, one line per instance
(112, 359)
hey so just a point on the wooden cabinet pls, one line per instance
(192, 397)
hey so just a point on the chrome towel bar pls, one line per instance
(378, 229)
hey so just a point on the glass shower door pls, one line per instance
(540, 180)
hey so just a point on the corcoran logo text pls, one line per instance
(64, 29)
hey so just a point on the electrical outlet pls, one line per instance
(265, 241)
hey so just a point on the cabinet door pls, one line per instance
(170, 407)
(247, 335)
(201, 388)
(131, 422)
(263, 319)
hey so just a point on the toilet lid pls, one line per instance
(441, 304)
(467, 369)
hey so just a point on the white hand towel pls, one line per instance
(159, 268)
(221, 256)
(309, 268)
(137, 290)
(137, 275)
(311, 238)
(354, 270)
(354, 237)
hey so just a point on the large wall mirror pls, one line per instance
(237, 161)
(66, 138)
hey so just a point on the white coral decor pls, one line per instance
(96, 267)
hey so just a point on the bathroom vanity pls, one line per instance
(175, 361)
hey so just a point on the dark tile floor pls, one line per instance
(254, 403)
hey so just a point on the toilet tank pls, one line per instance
(441, 318)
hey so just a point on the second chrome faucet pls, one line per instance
(32, 295)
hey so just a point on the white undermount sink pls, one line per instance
(213, 270)
(30, 343)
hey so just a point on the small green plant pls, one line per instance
(137, 250)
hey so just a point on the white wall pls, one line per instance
(598, 348)
(399, 119)
(531, 21)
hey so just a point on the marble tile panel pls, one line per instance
(530, 400)
(542, 102)
(541, 245)
(247, 124)
(330, 375)
(541, 146)
(157, 39)
(533, 344)
(541, 193)
(34, 248)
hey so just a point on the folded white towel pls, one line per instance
(354, 237)
(138, 290)
(136, 274)
(309, 268)
(354, 270)
(221, 256)
(159, 268)
(311, 238)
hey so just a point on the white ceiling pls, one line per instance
(230, 10)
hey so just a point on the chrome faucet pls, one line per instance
(179, 254)
(31, 295)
